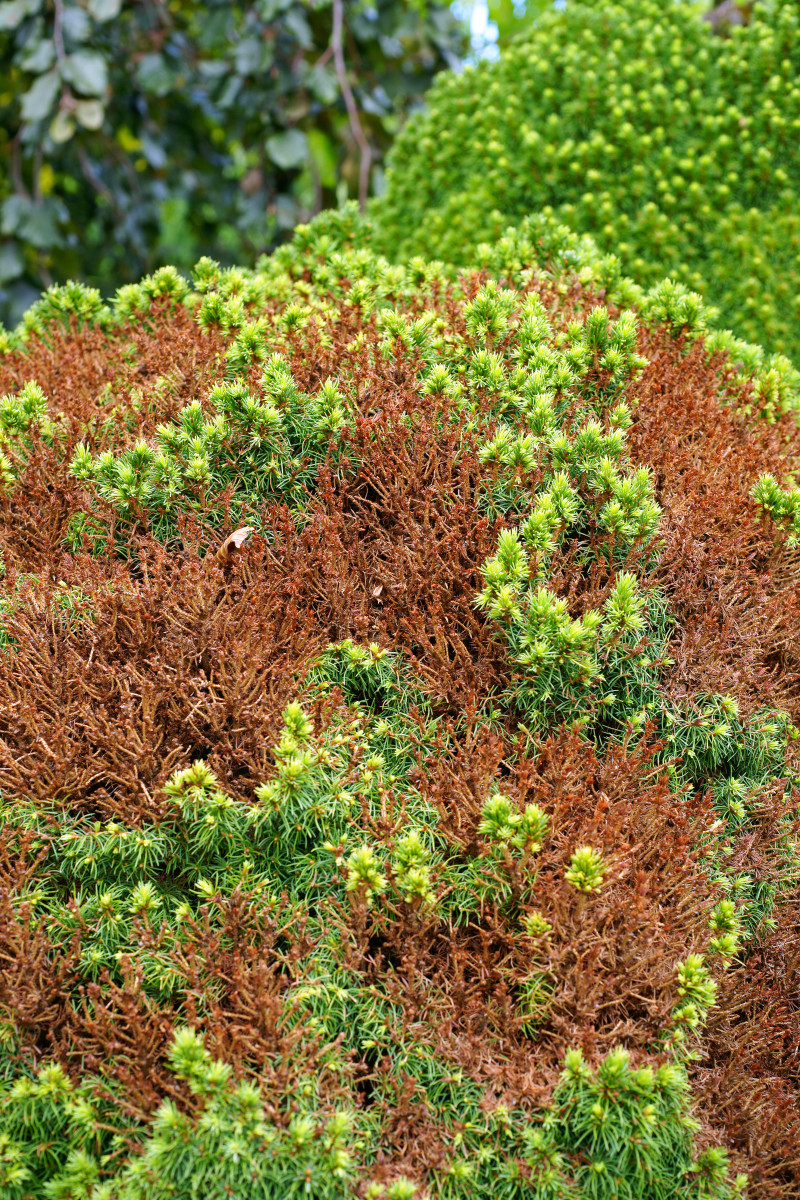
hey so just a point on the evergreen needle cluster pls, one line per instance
(633, 122)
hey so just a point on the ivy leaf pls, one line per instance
(104, 10)
(76, 26)
(40, 97)
(13, 212)
(154, 75)
(62, 127)
(90, 113)
(39, 57)
(247, 55)
(11, 262)
(288, 149)
(324, 84)
(87, 71)
(40, 229)
(15, 11)
(299, 27)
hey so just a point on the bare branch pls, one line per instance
(96, 182)
(356, 127)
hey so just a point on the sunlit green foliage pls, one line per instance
(259, 449)
(633, 122)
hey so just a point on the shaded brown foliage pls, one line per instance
(734, 587)
(732, 583)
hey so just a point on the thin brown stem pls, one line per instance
(58, 30)
(95, 181)
(356, 127)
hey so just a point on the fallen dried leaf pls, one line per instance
(233, 542)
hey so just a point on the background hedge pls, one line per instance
(675, 148)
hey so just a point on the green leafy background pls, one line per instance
(134, 134)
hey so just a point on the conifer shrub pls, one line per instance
(397, 736)
(674, 148)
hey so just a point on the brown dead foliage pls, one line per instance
(194, 655)
(750, 1078)
(85, 372)
(167, 668)
(735, 589)
(610, 957)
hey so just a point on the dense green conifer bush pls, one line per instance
(675, 148)
(373, 825)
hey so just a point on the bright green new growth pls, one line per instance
(782, 505)
(259, 449)
(602, 669)
(501, 824)
(20, 416)
(586, 870)
(616, 1127)
(697, 991)
(587, 494)
(673, 148)
(540, 244)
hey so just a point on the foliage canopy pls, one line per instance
(676, 149)
(136, 134)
